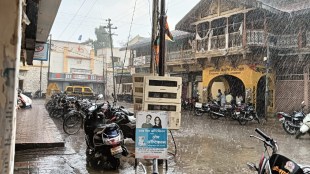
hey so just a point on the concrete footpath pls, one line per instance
(35, 129)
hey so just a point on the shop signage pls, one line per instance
(41, 52)
(226, 70)
(151, 135)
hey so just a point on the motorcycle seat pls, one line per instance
(127, 112)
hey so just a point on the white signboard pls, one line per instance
(41, 52)
(151, 135)
(137, 61)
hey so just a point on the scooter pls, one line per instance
(275, 163)
(23, 101)
(305, 127)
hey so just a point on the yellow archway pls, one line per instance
(249, 75)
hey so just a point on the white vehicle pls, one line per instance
(305, 127)
(24, 101)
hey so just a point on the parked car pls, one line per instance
(82, 91)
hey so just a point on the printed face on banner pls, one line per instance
(151, 135)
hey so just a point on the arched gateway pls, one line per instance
(245, 80)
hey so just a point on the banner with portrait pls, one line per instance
(151, 134)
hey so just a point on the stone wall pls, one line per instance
(32, 79)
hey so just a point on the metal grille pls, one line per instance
(289, 95)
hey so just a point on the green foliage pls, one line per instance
(103, 39)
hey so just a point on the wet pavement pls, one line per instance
(203, 146)
(35, 129)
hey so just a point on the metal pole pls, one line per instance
(104, 74)
(111, 43)
(154, 33)
(155, 166)
(40, 94)
(49, 59)
(267, 77)
(162, 46)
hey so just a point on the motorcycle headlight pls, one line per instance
(111, 141)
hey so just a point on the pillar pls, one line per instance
(10, 48)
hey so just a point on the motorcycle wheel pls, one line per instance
(242, 120)
(288, 129)
(72, 124)
(299, 134)
(198, 112)
(114, 163)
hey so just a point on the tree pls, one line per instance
(103, 39)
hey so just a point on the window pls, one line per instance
(87, 90)
(69, 89)
(78, 90)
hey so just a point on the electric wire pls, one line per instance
(92, 6)
(127, 47)
(72, 18)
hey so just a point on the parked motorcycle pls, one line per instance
(105, 146)
(246, 113)
(124, 118)
(305, 127)
(217, 111)
(275, 163)
(201, 108)
(188, 103)
(292, 123)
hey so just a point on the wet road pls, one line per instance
(203, 146)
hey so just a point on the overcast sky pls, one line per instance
(81, 17)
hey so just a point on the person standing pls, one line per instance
(223, 99)
(229, 98)
(219, 96)
(147, 123)
(239, 99)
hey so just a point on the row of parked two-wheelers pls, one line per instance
(297, 123)
(243, 113)
(105, 126)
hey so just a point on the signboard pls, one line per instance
(40, 52)
(137, 61)
(151, 135)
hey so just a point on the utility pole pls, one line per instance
(40, 93)
(162, 45)
(267, 77)
(111, 44)
(49, 59)
(154, 33)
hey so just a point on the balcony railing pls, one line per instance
(75, 77)
(179, 55)
(258, 38)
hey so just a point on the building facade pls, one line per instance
(74, 64)
(232, 45)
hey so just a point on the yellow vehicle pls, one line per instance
(82, 91)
